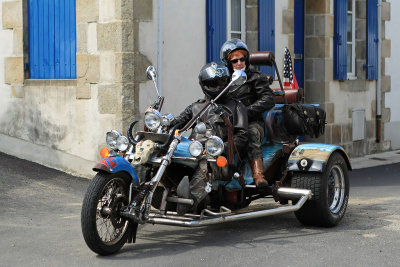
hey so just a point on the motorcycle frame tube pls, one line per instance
(292, 193)
(317, 156)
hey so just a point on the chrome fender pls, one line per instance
(116, 164)
(314, 157)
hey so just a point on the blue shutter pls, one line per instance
(266, 30)
(340, 40)
(372, 40)
(215, 27)
(52, 39)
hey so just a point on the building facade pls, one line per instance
(71, 70)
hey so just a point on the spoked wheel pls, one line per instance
(103, 229)
(330, 193)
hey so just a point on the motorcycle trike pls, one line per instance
(150, 176)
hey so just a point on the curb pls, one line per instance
(374, 160)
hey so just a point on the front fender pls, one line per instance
(116, 164)
(314, 157)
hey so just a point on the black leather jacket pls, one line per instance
(235, 111)
(255, 94)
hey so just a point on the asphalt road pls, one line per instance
(40, 226)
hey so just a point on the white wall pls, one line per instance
(392, 98)
(183, 53)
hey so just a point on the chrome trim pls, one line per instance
(186, 201)
(292, 193)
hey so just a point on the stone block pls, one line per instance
(360, 70)
(318, 6)
(385, 115)
(18, 43)
(323, 25)
(361, 9)
(347, 133)
(83, 91)
(252, 2)
(361, 49)
(287, 21)
(361, 29)
(252, 40)
(330, 112)
(309, 25)
(386, 83)
(81, 38)
(108, 99)
(107, 67)
(18, 91)
(125, 67)
(142, 10)
(309, 69)
(92, 38)
(370, 129)
(291, 4)
(14, 70)
(316, 92)
(323, 69)
(385, 11)
(317, 47)
(252, 18)
(87, 11)
(109, 36)
(107, 11)
(88, 67)
(12, 15)
(386, 47)
(336, 134)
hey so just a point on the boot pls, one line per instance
(258, 173)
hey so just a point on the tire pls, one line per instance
(330, 191)
(105, 231)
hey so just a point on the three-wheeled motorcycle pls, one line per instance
(147, 177)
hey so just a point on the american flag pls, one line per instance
(289, 79)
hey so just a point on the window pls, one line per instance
(52, 39)
(236, 19)
(351, 50)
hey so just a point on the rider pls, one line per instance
(213, 78)
(256, 95)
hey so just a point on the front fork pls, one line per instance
(137, 210)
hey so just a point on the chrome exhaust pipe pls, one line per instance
(290, 193)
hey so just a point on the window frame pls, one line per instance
(352, 75)
(229, 31)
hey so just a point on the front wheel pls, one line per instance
(103, 229)
(330, 191)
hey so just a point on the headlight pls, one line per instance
(195, 148)
(111, 138)
(214, 146)
(167, 119)
(122, 143)
(152, 119)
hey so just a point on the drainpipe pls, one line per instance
(378, 82)
(159, 44)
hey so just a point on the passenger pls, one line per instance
(256, 95)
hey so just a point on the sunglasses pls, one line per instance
(234, 61)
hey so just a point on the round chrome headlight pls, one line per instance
(152, 119)
(195, 148)
(111, 138)
(214, 146)
(122, 143)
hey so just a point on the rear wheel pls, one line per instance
(330, 191)
(103, 229)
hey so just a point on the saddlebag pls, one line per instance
(304, 119)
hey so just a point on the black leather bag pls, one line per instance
(304, 119)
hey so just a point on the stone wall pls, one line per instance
(340, 98)
(67, 119)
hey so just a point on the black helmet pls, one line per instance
(213, 78)
(232, 45)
